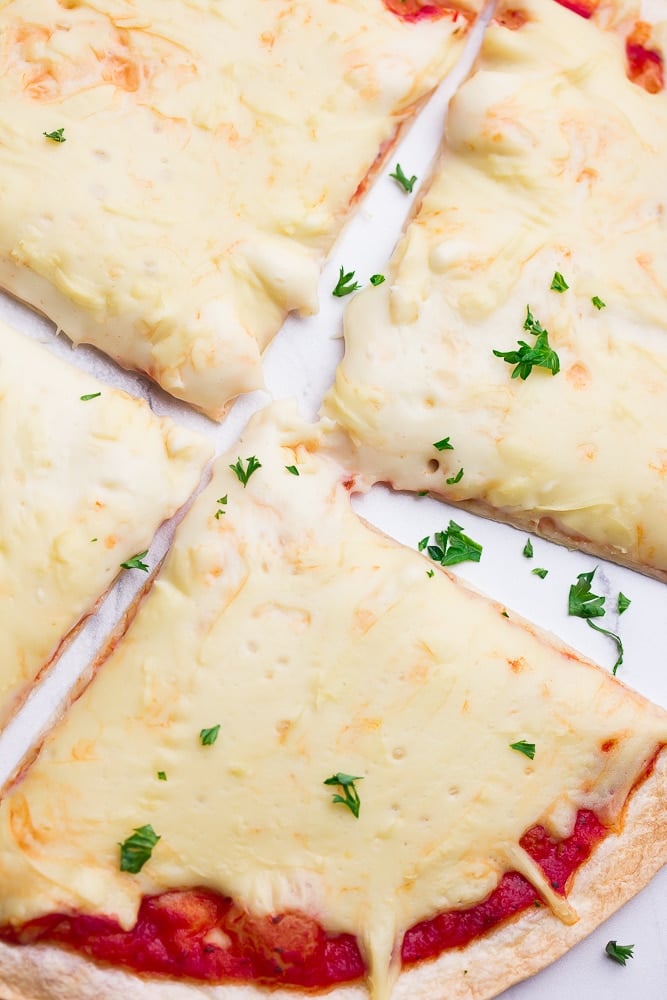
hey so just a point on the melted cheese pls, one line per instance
(554, 161)
(85, 485)
(317, 645)
(212, 151)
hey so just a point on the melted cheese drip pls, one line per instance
(212, 151)
(85, 485)
(554, 162)
(318, 646)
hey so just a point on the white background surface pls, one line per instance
(301, 362)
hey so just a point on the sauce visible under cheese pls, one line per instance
(318, 646)
(555, 161)
(211, 153)
(180, 933)
(84, 485)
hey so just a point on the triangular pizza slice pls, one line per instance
(312, 760)
(173, 173)
(87, 475)
(515, 359)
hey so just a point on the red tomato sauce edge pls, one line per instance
(203, 936)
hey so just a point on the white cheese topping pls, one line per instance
(318, 646)
(84, 486)
(554, 161)
(211, 154)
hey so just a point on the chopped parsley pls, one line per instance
(243, 475)
(558, 283)
(377, 279)
(541, 355)
(89, 395)
(207, 737)
(455, 479)
(430, 573)
(222, 503)
(538, 571)
(623, 603)
(598, 303)
(345, 284)
(528, 749)
(293, 469)
(137, 849)
(136, 562)
(443, 445)
(407, 183)
(451, 546)
(583, 603)
(350, 795)
(162, 776)
(528, 549)
(57, 136)
(619, 952)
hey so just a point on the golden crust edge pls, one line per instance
(545, 526)
(480, 971)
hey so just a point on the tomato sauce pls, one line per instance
(418, 10)
(201, 935)
(584, 8)
(645, 65)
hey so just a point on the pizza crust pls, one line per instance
(546, 527)
(520, 948)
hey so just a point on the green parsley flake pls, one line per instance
(528, 549)
(430, 573)
(137, 849)
(619, 952)
(583, 603)
(407, 183)
(451, 546)
(345, 284)
(443, 445)
(541, 355)
(293, 469)
(623, 603)
(377, 279)
(243, 475)
(558, 283)
(350, 796)
(89, 395)
(598, 303)
(207, 737)
(136, 562)
(222, 503)
(57, 136)
(455, 479)
(538, 571)
(162, 776)
(528, 749)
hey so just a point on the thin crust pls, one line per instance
(482, 970)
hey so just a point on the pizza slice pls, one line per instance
(310, 757)
(515, 360)
(173, 174)
(87, 475)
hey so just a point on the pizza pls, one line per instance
(312, 754)
(173, 174)
(88, 474)
(515, 361)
